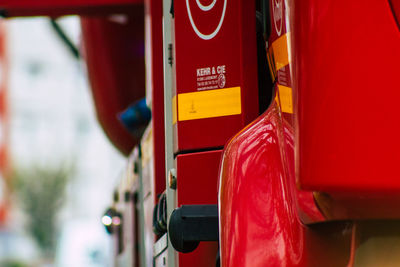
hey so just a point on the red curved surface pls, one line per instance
(259, 219)
(114, 53)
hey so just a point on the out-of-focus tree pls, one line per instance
(12, 263)
(41, 194)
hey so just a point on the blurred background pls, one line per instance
(57, 168)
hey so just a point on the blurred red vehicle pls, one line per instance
(273, 138)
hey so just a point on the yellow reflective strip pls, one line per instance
(285, 95)
(174, 116)
(209, 104)
(280, 48)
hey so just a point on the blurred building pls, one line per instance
(53, 122)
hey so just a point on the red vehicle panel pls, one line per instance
(197, 175)
(216, 72)
(299, 185)
(14, 8)
(155, 87)
(347, 136)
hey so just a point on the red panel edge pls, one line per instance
(22, 8)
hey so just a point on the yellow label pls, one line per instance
(285, 95)
(280, 48)
(209, 104)
(174, 116)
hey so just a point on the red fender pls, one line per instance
(260, 217)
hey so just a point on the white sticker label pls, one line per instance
(211, 77)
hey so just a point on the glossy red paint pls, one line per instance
(155, 88)
(233, 46)
(197, 175)
(345, 57)
(114, 53)
(12, 8)
(259, 217)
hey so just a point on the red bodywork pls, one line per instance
(206, 60)
(260, 220)
(338, 141)
(13, 8)
(346, 90)
(234, 48)
(343, 142)
(155, 87)
(197, 185)
(339, 138)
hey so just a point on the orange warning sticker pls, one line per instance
(280, 50)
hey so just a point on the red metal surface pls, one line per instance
(197, 175)
(345, 57)
(234, 46)
(63, 7)
(155, 87)
(114, 53)
(259, 218)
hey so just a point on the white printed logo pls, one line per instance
(221, 81)
(206, 8)
(211, 77)
(277, 8)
